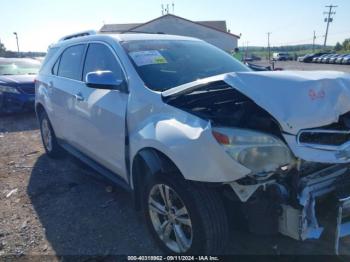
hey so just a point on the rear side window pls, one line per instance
(100, 58)
(51, 52)
(71, 61)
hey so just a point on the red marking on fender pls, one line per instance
(316, 95)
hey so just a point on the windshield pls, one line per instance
(19, 66)
(164, 64)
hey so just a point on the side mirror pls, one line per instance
(105, 80)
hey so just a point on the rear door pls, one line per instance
(101, 114)
(65, 89)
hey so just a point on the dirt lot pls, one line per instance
(61, 207)
(294, 65)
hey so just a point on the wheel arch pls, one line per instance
(150, 162)
(39, 108)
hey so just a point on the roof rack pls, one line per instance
(80, 34)
(140, 32)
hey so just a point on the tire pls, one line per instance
(48, 137)
(203, 222)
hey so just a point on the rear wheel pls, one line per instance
(184, 217)
(51, 146)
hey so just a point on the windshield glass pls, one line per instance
(164, 64)
(19, 66)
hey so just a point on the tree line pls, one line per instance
(345, 46)
(8, 53)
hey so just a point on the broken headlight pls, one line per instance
(259, 152)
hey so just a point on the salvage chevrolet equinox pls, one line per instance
(198, 138)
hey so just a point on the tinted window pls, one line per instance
(70, 65)
(163, 64)
(49, 55)
(100, 58)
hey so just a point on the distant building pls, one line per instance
(213, 32)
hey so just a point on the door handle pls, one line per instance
(79, 97)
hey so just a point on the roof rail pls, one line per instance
(80, 34)
(139, 32)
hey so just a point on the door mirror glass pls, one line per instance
(104, 80)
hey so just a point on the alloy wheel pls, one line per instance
(170, 218)
(46, 134)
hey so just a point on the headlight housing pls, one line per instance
(9, 89)
(259, 152)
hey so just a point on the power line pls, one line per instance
(329, 19)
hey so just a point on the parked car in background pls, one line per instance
(258, 67)
(332, 59)
(252, 58)
(318, 59)
(339, 59)
(281, 57)
(17, 88)
(346, 60)
(308, 58)
(326, 59)
(302, 58)
(39, 58)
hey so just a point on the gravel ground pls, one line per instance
(61, 207)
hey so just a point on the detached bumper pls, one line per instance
(343, 227)
(16, 103)
(325, 193)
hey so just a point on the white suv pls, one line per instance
(192, 133)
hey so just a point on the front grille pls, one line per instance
(330, 136)
(324, 137)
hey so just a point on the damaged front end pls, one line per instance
(296, 168)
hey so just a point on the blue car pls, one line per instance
(17, 89)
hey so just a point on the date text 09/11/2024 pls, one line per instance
(173, 258)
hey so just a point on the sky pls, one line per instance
(42, 22)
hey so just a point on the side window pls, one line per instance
(49, 55)
(54, 70)
(70, 64)
(100, 58)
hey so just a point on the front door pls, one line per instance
(101, 113)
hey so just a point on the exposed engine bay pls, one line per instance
(288, 195)
(225, 106)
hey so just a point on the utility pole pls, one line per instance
(313, 42)
(329, 19)
(268, 45)
(15, 33)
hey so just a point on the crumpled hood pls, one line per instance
(296, 99)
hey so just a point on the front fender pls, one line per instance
(188, 142)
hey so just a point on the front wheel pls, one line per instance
(185, 218)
